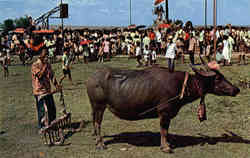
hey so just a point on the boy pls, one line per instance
(153, 54)
(65, 66)
(42, 76)
(4, 63)
(146, 55)
(138, 54)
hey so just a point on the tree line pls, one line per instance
(11, 24)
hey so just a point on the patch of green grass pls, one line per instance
(136, 139)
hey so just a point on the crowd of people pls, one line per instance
(142, 43)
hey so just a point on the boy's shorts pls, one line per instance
(66, 71)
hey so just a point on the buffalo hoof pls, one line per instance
(167, 149)
(101, 147)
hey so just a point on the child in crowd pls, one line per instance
(153, 54)
(66, 66)
(208, 50)
(4, 63)
(219, 55)
(76, 52)
(100, 52)
(146, 55)
(85, 53)
(138, 54)
(242, 52)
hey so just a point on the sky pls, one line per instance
(116, 12)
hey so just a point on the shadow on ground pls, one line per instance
(178, 141)
(76, 127)
(2, 132)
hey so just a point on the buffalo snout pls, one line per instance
(235, 91)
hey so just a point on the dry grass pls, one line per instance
(123, 138)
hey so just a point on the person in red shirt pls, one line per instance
(186, 41)
(42, 76)
(151, 35)
(191, 48)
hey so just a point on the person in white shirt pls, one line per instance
(153, 53)
(146, 41)
(171, 53)
(201, 41)
(138, 54)
(231, 44)
(225, 50)
(146, 55)
(158, 40)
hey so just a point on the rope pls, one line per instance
(147, 111)
(180, 96)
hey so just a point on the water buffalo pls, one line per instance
(150, 93)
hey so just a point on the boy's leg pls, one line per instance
(49, 100)
(62, 78)
(239, 58)
(70, 78)
(191, 57)
(40, 111)
(244, 59)
(6, 72)
(171, 65)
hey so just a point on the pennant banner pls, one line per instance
(158, 2)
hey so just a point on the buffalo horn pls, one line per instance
(203, 73)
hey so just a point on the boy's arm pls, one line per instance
(37, 72)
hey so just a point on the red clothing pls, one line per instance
(152, 36)
(186, 36)
(41, 85)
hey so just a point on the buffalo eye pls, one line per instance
(219, 78)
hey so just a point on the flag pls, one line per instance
(158, 2)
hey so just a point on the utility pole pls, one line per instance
(61, 19)
(205, 13)
(215, 26)
(130, 9)
(166, 7)
(62, 28)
